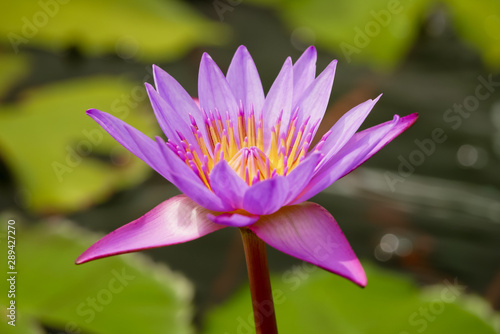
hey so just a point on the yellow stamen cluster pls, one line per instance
(244, 150)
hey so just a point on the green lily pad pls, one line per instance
(123, 294)
(149, 30)
(310, 300)
(61, 159)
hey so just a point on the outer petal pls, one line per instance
(174, 221)
(178, 99)
(278, 100)
(308, 232)
(314, 100)
(304, 72)
(233, 219)
(346, 127)
(214, 91)
(188, 182)
(300, 176)
(170, 120)
(267, 196)
(244, 81)
(139, 144)
(359, 149)
(227, 185)
(401, 126)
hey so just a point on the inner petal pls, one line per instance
(252, 165)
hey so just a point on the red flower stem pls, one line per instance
(260, 283)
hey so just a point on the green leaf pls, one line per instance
(310, 300)
(381, 32)
(121, 294)
(12, 69)
(149, 30)
(478, 22)
(61, 159)
(378, 33)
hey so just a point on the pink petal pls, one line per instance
(178, 99)
(214, 91)
(314, 100)
(233, 219)
(300, 176)
(357, 150)
(346, 127)
(308, 232)
(244, 81)
(266, 197)
(278, 100)
(138, 143)
(228, 185)
(170, 120)
(402, 125)
(188, 182)
(304, 72)
(174, 221)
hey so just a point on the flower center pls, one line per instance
(244, 149)
(252, 165)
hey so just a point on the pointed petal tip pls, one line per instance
(92, 111)
(242, 48)
(378, 98)
(311, 48)
(205, 57)
(149, 87)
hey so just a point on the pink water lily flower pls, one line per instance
(244, 159)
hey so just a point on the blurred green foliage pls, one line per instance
(310, 300)
(61, 159)
(12, 69)
(124, 294)
(150, 30)
(380, 33)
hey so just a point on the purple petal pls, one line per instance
(214, 91)
(304, 72)
(346, 127)
(300, 176)
(170, 120)
(233, 219)
(402, 125)
(174, 221)
(357, 150)
(308, 232)
(314, 100)
(228, 185)
(266, 197)
(188, 182)
(139, 144)
(278, 100)
(176, 97)
(244, 81)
